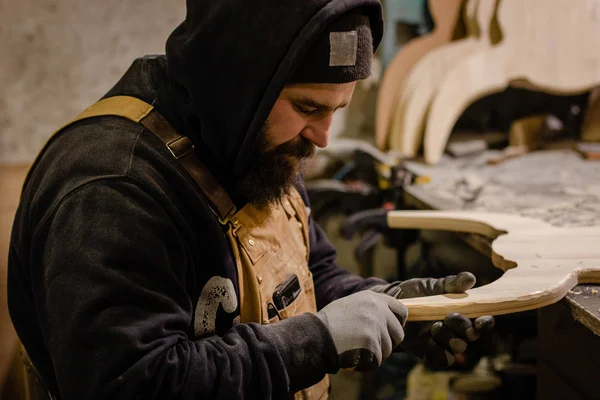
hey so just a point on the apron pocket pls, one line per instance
(295, 308)
(305, 302)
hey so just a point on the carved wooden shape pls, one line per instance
(541, 262)
(445, 15)
(590, 131)
(408, 120)
(548, 45)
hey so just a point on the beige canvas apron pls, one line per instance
(269, 245)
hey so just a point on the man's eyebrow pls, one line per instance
(307, 102)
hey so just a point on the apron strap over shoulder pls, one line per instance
(180, 147)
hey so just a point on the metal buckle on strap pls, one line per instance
(180, 146)
(229, 217)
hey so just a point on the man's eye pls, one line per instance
(306, 111)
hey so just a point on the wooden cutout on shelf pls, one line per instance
(590, 131)
(541, 262)
(408, 120)
(588, 150)
(547, 45)
(527, 132)
(524, 136)
(445, 14)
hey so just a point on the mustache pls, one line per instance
(298, 147)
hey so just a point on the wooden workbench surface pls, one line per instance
(558, 187)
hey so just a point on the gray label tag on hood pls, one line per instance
(342, 48)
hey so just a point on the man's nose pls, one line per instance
(318, 132)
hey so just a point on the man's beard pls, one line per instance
(274, 172)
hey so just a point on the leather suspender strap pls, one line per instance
(180, 147)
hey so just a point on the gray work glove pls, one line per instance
(366, 327)
(438, 343)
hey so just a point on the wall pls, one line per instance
(58, 56)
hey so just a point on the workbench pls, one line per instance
(558, 187)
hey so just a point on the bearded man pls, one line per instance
(163, 247)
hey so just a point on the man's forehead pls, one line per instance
(328, 96)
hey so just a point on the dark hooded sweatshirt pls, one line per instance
(113, 242)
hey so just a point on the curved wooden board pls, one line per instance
(547, 46)
(469, 19)
(554, 44)
(407, 122)
(445, 14)
(464, 84)
(490, 225)
(547, 262)
(518, 290)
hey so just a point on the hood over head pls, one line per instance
(234, 57)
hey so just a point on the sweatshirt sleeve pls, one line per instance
(331, 280)
(114, 312)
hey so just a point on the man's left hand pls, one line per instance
(438, 343)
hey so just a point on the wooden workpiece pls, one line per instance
(525, 135)
(589, 150)
(557, 187)
(445, 14)
(527, 132)
(408, 118)
(590, 131)
(547, 45)
(541, 263)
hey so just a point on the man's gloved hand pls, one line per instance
(366, 327)
(420, 287)
(437, 343)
